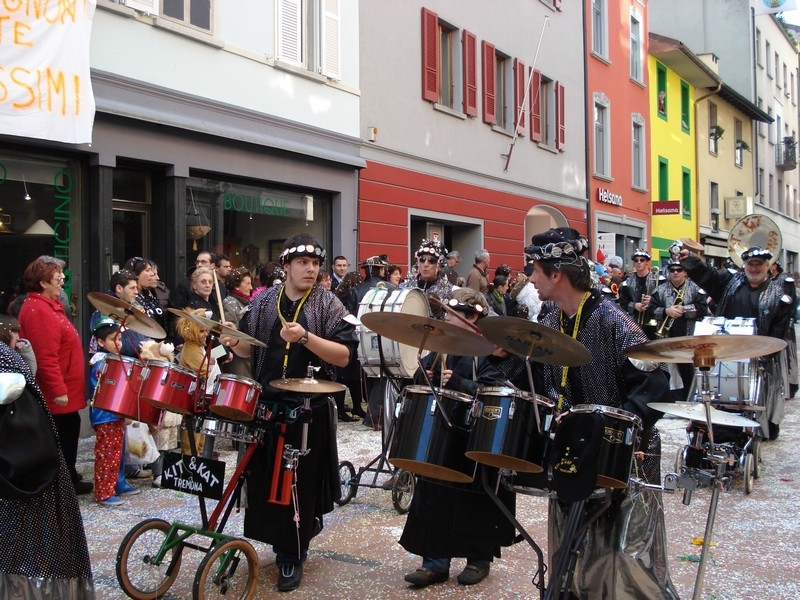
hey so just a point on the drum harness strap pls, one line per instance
(575, 329)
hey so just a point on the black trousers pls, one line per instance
(68, 426)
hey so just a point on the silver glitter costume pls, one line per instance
(624, 553)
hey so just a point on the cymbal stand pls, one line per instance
(538, 579)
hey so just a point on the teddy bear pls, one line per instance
(166, 434)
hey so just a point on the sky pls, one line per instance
(792, 16)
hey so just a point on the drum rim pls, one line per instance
(522, 394)
(235, 377)
(453, 395)
(170, 366)
(613, 410)
(123, 358)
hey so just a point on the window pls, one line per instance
(309, 34)
(785, 82)
(449, 70)
(685, 107)
(636, 49)
(770, 137)
(715, 131)
(194, 13)
(760, 126)
(638, 153)
(686, 192)
(791, 88)
(777, 72)
(600, 28)
(759, 59)
(739, 143)
(770, 190)
(661, 89)
(761, 186)
(548, 103)
(602, 136)
(714, 205)
(768, 57)
(503, 81)
(663, 178)
(780, 194)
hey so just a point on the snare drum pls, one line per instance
(169, 386)
(621, 432)
(400, 359)
(235, 397)
(505, 432)
(230, 430)
(424, 444)
(118, 381)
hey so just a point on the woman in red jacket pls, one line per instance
(57, 346)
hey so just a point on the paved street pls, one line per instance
(357, 555)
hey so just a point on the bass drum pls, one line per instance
(400, 359)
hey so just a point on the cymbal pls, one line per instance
(538, 342)
(218, 328)
(429, 334)
(127, 314)
(704, 350)
(308, 386)
(696, 411)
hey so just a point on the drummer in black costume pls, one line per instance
(624, 553)
(316, 333)
(443, 521)
(751, 293)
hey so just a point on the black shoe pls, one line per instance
(345, 418)
(83, 487)
(358, 412)
(774, 431)
(472, 574)
(424, 577)
(289, 577)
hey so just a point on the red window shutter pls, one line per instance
(487, 52)
(519, 94)
(430, 56)
(561, 127)
(536, 107)
(468, 49)
(557, 4)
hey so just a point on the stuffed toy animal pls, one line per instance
(153, 350)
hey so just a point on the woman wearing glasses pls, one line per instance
(59, 354)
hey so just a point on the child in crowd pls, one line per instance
(9, 334)
(109, 483)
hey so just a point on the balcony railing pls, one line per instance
(786, 154)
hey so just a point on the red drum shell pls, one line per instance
(117, 391)
(423, 444)
(235, 397)
(169, 386)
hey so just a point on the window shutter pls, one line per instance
(468, 49)
(536, 106)
(519, 94)
(289, 38)
(561, 127)
(331, 39)
(557, 4)
(430, 56)
(487, 52)
(147, 6)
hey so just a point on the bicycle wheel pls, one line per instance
(138, 576)
(347, 478)
(403, 491)
(224, 574)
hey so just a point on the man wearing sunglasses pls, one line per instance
(636, 290)
(750, 294)
(430, 257)
(676, 306)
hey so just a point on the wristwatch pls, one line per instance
(303, 340)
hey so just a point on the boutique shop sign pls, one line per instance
(45, 88)
(271, 203)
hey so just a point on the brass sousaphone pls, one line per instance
(754, 230)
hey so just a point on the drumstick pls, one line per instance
(219, 296)
(283, 321)
(444, 366)
(435, 362)
(454, 313)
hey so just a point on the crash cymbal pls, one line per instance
(127, 315)
(220, 329)
(428, 334)
(696, 411)
(705, 350)
(538, 342)
(308, 386)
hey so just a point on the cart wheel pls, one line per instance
(403, 491)
(138, 576)
(756, 451)
(347, 479)
(230, 570)
(748, 473)
(680, 461)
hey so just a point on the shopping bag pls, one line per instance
(142, 449)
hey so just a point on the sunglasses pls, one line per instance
(639, 260)
(428, 259)
(676, 270)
